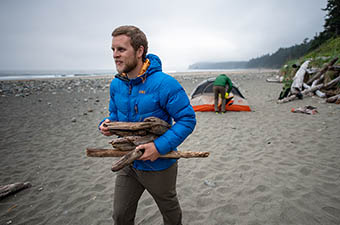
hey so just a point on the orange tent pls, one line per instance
(202, 98)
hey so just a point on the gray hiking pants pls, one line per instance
(130, 185)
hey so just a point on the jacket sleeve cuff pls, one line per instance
(102, 122)
(162, 145)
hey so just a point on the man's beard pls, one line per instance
(131, 65)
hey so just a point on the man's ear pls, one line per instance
(140, 51)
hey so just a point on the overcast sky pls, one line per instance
(76, 34)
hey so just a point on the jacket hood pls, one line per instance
(155, 66)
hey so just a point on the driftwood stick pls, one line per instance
(13, 188)
(124, 133)
(135, 154)
(332, 83)
(335, 68)
(333, 98)
(147, 123)
(93, 152)
(126, 159)
(129, 143)
(322, 71)
(185, 154)
(317, 92)
(150, 125)
(318, 81)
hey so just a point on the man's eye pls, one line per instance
(118, 49)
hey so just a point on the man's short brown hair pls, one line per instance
(137, 37)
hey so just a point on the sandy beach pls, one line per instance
(269, 166)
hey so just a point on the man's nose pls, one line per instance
(116, 54)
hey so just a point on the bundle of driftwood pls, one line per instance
(132, 134)
(318, 84)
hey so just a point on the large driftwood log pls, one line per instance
(129, 143)
(299, 77)
(335, 68)
(95, 152)
(304, 92)
(317, 92)
(150, 125)
(12, 188)
(332, 83)
(318, 81)
(322, 71)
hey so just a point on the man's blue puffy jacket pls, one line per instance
(153, 94)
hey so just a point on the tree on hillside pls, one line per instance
(332, 21)
(332, 24)
(279, 58)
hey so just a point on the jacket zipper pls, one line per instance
(130, 89)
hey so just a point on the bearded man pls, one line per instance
(140, 90)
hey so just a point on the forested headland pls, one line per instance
(283, 56)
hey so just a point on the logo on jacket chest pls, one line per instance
(141, 92)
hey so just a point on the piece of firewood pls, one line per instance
(126, 159)
(322, 71)
(123, 133)
(97, 152)
(146, 124)
(94, 152)
(150, 125)
(13, 188)
(136, 153)
(158, 127)
(129, 143)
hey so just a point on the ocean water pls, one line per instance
(49, 74)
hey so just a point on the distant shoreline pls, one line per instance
(226, 71)
(46, 75)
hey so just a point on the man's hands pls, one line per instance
(104, 129)
(150, 152)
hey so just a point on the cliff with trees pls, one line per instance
(322, 76)
(286, 55)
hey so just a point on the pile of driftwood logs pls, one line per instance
(319, 84)
(132, 134)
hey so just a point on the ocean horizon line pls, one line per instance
(51, 74)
